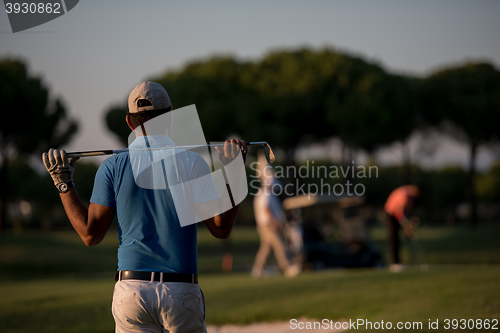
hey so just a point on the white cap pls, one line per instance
(152, 91)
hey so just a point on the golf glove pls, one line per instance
(59, 167)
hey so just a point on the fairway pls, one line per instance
(444, 292)
(71, 288)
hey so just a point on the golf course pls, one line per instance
(249, 167)
(51, 282)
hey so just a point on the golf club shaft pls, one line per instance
(111, 152)
(418, 250)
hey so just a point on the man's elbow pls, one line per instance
(91, 240)
(223, 233)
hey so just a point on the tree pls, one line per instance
(213, 85)
(488, 185)
(378, 109)
(115, 121)
(373, 109)
(290, 97)
(465, 102)
(32, 122)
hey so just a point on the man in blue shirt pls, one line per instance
(156, 289)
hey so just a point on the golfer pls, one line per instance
(270, 219)
(398, 206)
(157, 284)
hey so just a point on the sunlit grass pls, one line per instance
(51, 282)
(83, 305)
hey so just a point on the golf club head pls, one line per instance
(269, 153)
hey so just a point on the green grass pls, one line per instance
(440, 293)
(53, 283)
(54, 254)
(450, 245)
(83, 305)
(57, 305)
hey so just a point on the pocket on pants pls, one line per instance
(123, 293)
(128, 305)
(186, 311)
(124, 298)
(190, 301)
(196, 303)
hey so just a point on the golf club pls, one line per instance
(270, 157)
(424, 266)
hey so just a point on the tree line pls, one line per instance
(288, 98)
(305, 96)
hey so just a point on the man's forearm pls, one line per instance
(77, 213)
(225, 221)
(229, 217)
(221, 224)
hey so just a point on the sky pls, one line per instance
(95, 54)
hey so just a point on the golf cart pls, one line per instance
(326, 231)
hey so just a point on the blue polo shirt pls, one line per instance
(150, 234)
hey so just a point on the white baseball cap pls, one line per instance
(153, 92)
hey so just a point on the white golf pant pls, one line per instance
(143, 306)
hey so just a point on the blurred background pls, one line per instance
(411, 88)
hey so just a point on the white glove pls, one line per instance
(60, 169)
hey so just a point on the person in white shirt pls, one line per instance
(270, 219)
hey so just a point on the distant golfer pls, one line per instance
(157, 284)
(398, 206)
(270, 219)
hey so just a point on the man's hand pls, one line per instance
(405, 223)
(231, 150)
(408, 231)
(57, 164)
(220, 225)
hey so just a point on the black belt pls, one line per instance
(156, 276)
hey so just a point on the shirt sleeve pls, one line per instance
(204, 188)
(103, 193)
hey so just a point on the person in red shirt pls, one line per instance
(398, 205)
